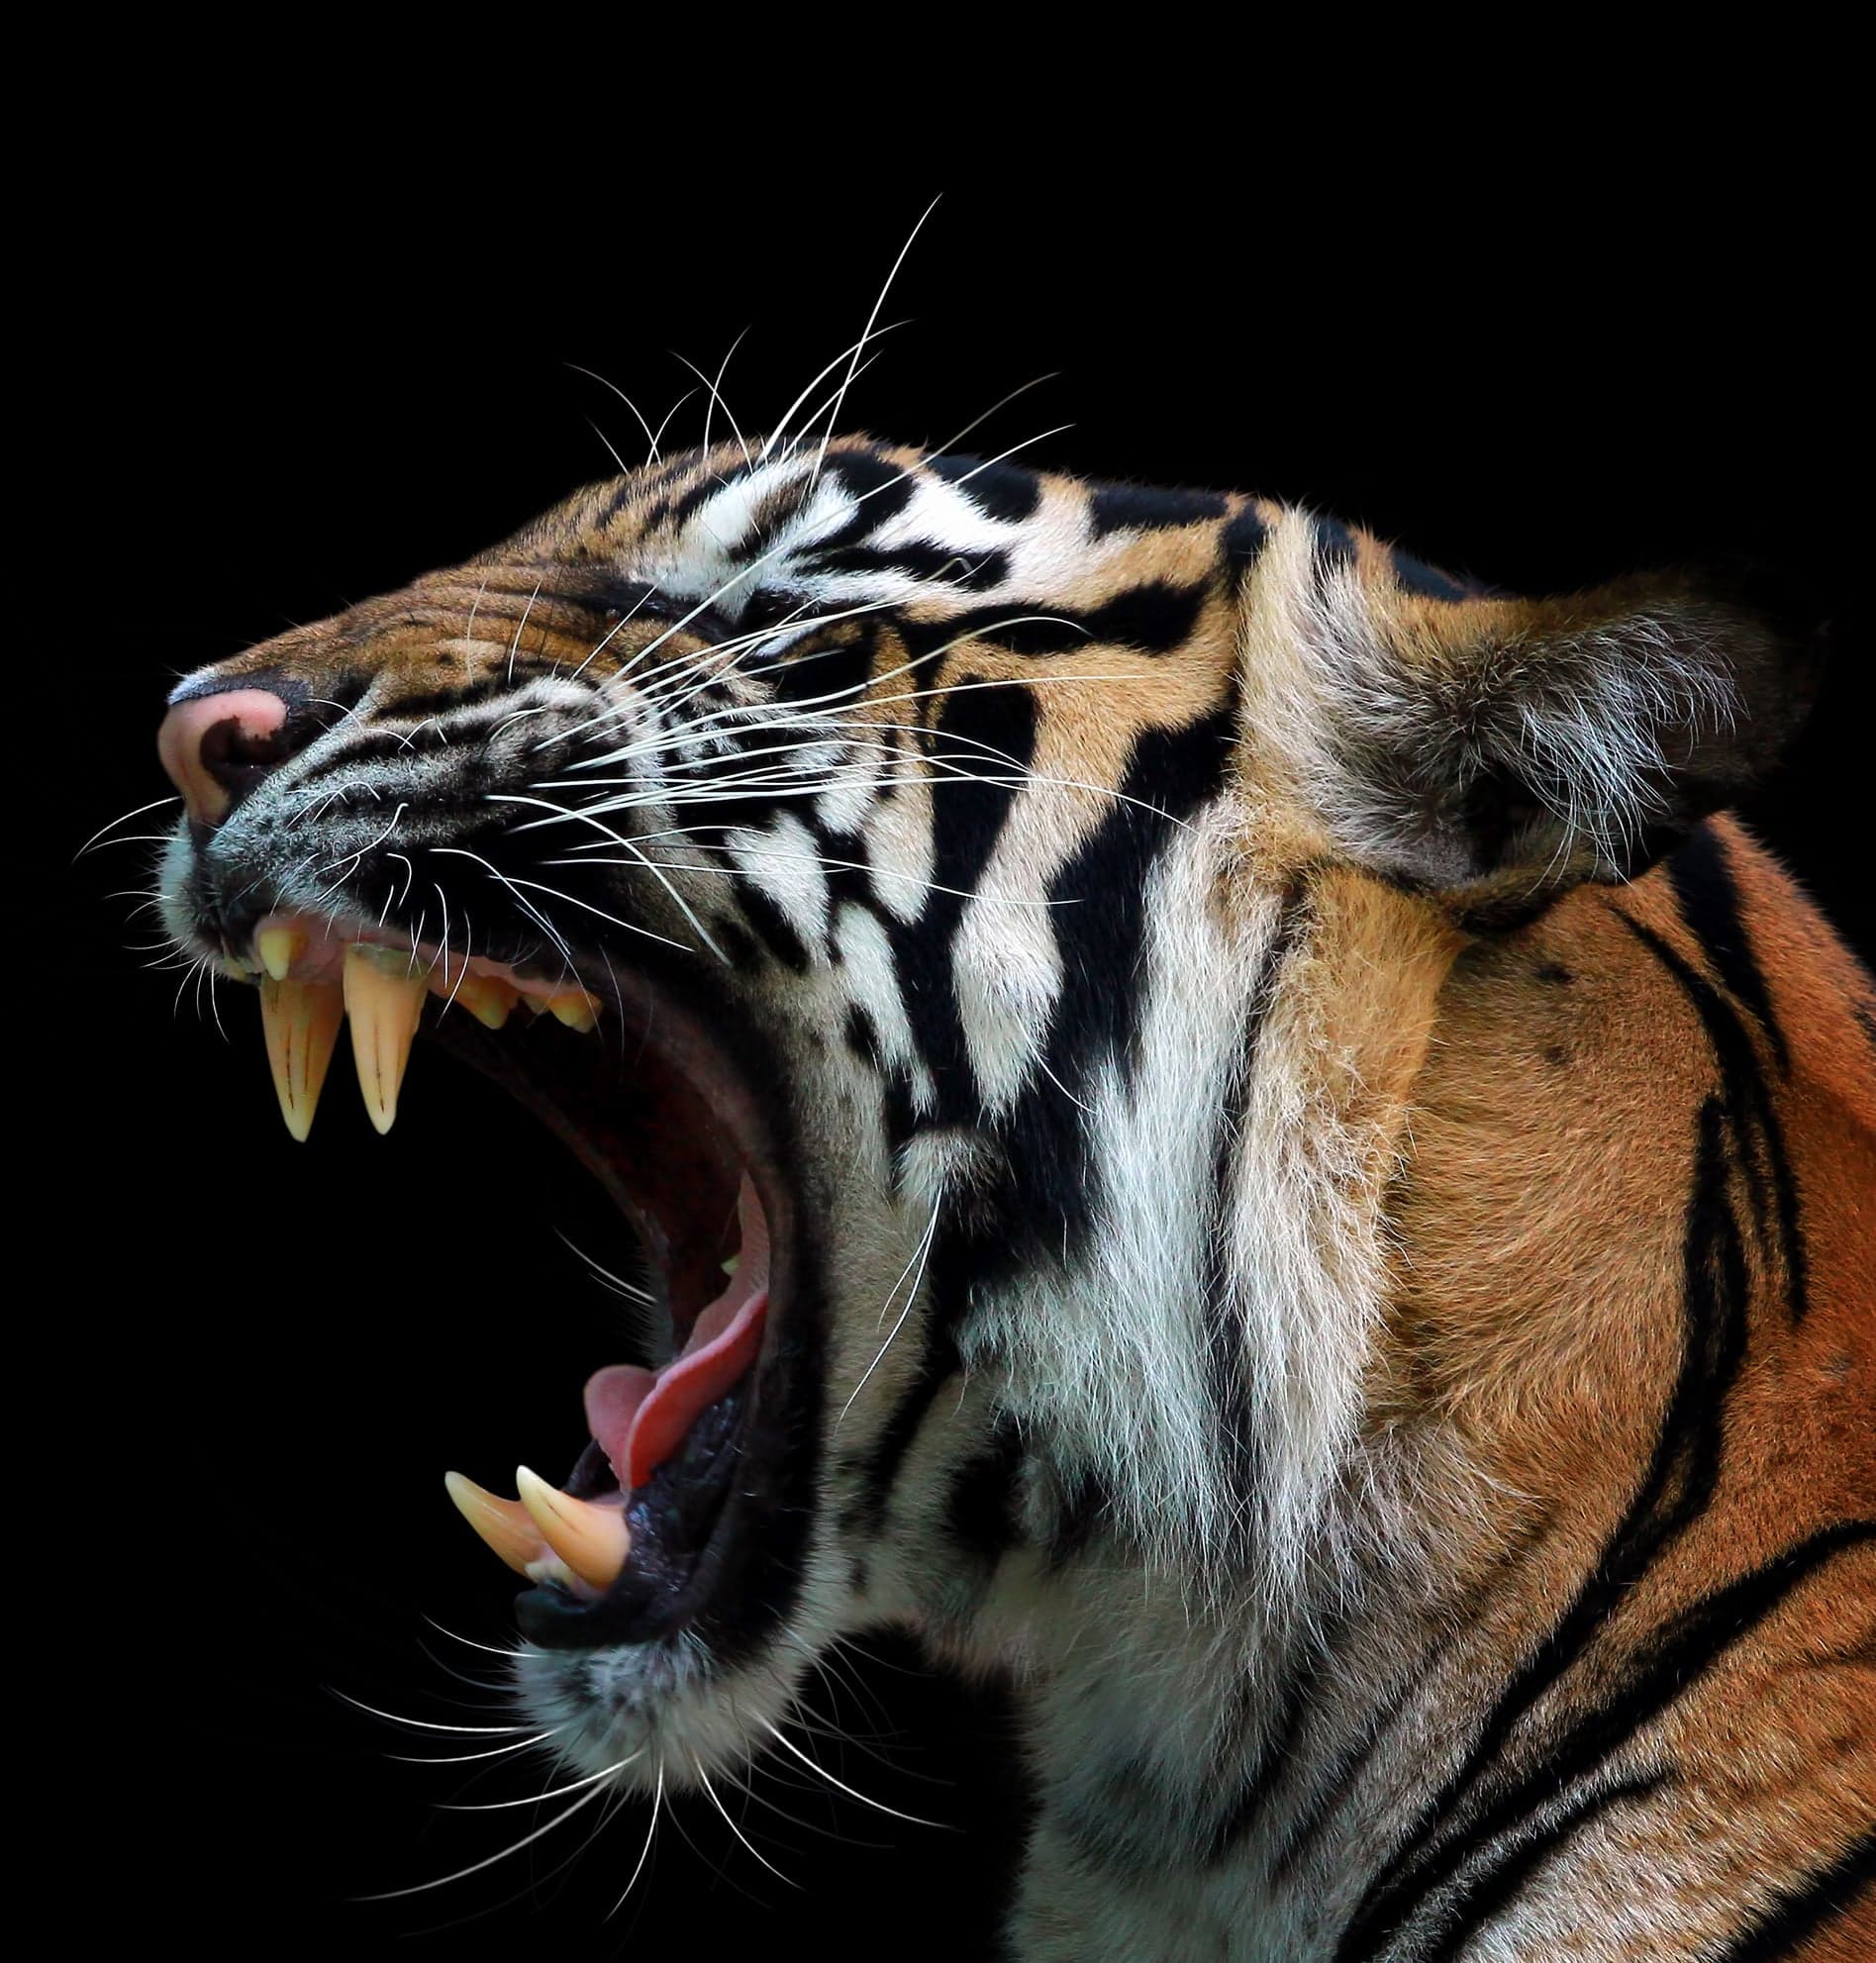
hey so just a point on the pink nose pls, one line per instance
(217, 747)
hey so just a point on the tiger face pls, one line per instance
(893, 875)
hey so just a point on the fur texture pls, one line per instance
(1369, 1317)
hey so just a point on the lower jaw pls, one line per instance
(682, 1543)
(719, 1530)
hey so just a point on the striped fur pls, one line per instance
(1339, 1197)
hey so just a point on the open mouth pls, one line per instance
(662, 1523)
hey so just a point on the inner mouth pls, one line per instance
(643, 1539)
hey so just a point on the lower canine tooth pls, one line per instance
(504, 1523)
(301, 1023)
(592, 1540)
(384, 997)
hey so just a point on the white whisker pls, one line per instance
(156, 804)
(867, 332)
(593, 375)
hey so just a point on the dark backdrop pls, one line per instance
(290, 400)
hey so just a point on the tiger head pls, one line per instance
(881, 868)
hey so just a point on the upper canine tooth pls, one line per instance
(301, 1023)
(487, 998)
(577, 1009)
(505, 1524)
(592, 1540)
(384, 997)
(279, 948)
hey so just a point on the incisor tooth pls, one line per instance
(487, 998)
(504, 1523)
(279, 948)
(592, 1540)
(301, 1023)
(577, 1009)
(384, 997)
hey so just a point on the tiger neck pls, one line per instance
(1195, 1400)
(1323, 1138)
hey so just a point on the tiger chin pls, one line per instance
(1220, 1126)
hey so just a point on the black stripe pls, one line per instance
(1241, 540)
(830, 674)
(1119, 1824)
(1675, 1660)
(1046, 1200)
(1000, 490)
(958, 1257)
(770, 924)
(1081, 1506)
(1748, 1098)
(973, 571)
(939, 1363)
(1417, 576)
(1800, 1912)
(1318, 1807)
(1673, 1492)
(981, 1507)
(1492, 1888)
(1238, 1459)
(992, 731)
(1155, 618)
(1709, 899)
(1335, 546)
(1274, 1755)
(882, 490)
(1142, 508)
(685, 503)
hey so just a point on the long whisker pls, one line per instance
(424, 1725)
(625, 1288)
(866, 335)
(521, 899)
(477, 1867)
(781, 428)
(715, 397)
(666, 422)
(711, 1792)
(593, 375)
(919, 1259)
(644, 1853)
(156, 804)
(788, 1745)
(468, 1758)
(535, 1798)
(518, 626)
(470, 1643)
(703, 932)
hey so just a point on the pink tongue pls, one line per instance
(639, 1418)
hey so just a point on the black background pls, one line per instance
(293, 394)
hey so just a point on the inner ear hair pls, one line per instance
(1501, 749)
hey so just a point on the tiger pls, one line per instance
(1225, 1128)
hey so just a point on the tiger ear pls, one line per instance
(1500, 750)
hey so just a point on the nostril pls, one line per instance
(217, 747)
(235, 755)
